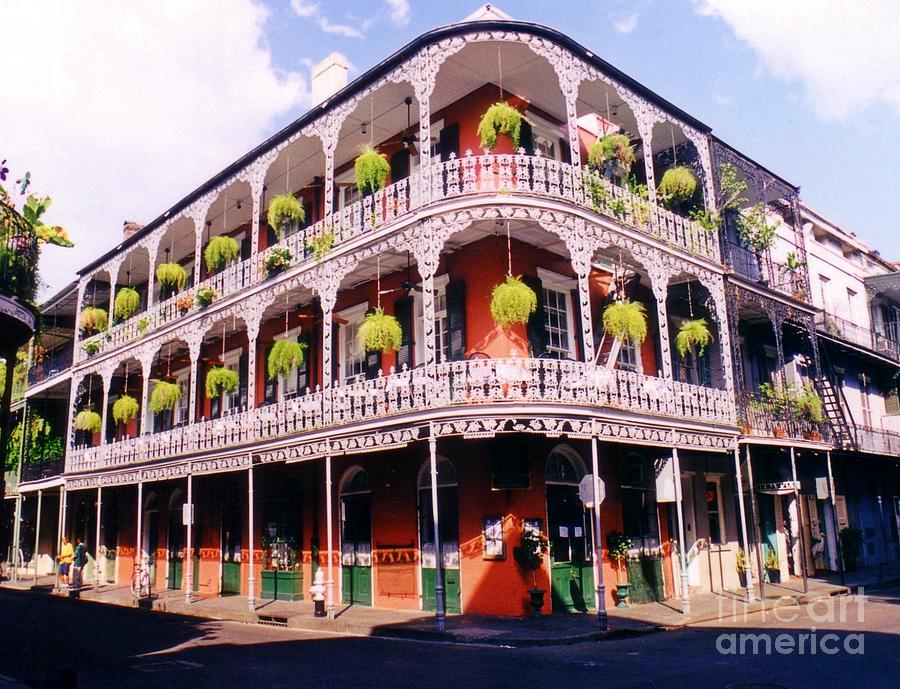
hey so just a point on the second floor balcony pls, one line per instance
(853, 333)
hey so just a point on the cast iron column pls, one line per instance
(97, 537)
(188, 567)
(598, 539)
(440, 612)
(329, 535)
(799, 520)
(37, 535)
(740, 491)
(251, 579)
(682, 555)
(837, 533)
(755, 510)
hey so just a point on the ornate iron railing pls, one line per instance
(457, 384)
(764, 418)
(878, 441)
(856, 334)
(18, 254)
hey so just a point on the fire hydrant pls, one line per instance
(317, 591)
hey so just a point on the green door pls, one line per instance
(176, 549)
(356, 549)
(449, 532)
(152, 543)
(572, 570)
(231, 549)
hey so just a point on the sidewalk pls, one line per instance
(546, 630)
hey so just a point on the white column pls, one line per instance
(76, 340)
(16, 534)
(740, 488)
(645, 131)
(112, 298)
(660, 285)
(37, 535)
(799, 522)
(151, 278)
(327, 345)
(251, 578)
(198, 249)
(188, 567)
(146, 415)
(598, 539)
(252, 335)
(60, 525)
(329, 537)
(195, 343)
(423, 97)
(256, 191)
(587, 327)
(754, 509)
(428, 319)
(97, 537)
(831, 497)
(439, 604)
(682, 544)
(107, 381)
(138, 540)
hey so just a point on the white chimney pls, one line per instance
(329, 77)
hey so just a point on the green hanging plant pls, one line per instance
(808, 404)
(379, 332)
(91, 347)
(127, 302)
(677, 186)
(220, 251)
(512, 301)
(284, 358)
(219, 380)
(88, 420)
(171, 275)
(500, 118)
(610, 149)
(205, 296)
(626, 320)
(285, 211)
(693, 336)
(372, 170)
(754, 229)
(93, 319)
(124, 409)
(320, 245)
(165, 396)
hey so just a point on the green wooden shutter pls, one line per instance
(535, 328)
(526, 138)
(456, 319)
(403, 312)
(576, 326)
(448, 141)
(399, 165)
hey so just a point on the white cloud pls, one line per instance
(313, 11)
(626, 24)
(305, 9)
(846, 55)
(399, 12)
(124, 109)
(339, 29)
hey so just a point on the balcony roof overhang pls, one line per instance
(887, 285)
(380, 70)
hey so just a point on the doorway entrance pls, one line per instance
(356, 538)
(231, 549)
(150, 537)
(448, 517)
(175, 541)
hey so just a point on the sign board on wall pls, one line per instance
(665, 481)
(187, 514)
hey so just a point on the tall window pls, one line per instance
(851, 303)
(864, 400)
(352, 357)
(714, 510)
(558, 314)
(824, 289)
(441, 322)
(183, 379)
(628, 356)
(231, 401)
(288, 385)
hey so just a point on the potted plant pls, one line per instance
(851, 546)
(172, 276)
(618, 545)
(165, 396)
(285, 212)
(124, 409)
(379, 332)
(284, 358)
(677, 187)
(500, 118)
(320, 245)
(205, 296)
(755, 233)
(773, 565)
(220, 380)
(610, 152)
(142, 325)
(93, 319)
(88, 420)
(740, 564)
(529, 555)
(372, 170)
(626, 320)
(184, 302)
(220, 251)
(512, 302)
(126, 304)
(91, 347)
(282, 573)
(693, 336)
(277, 260)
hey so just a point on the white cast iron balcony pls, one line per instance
(451, 385)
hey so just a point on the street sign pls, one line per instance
(187, 514)
(586, 490)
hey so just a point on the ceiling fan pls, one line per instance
(407, 285)
(408, 137)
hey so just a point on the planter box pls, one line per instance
(774, 576)
(278, 585)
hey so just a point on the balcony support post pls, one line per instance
(146, 360)
(740, 491)
(74, 384)
(645, 124)
(138, 533)
(195, 342)
(439, 603)
(602, 618)
(251, 574)
(37, 534)
(329, 536)
(77, 353)
(428, 319)
(327, 346)
(97, 537)
(106, 377)
(17, 530)
(837, 532)
(152, 251)
(682, 543)
(188, 561)
(799, 516)
(423, 87)
(659, 278)
(754, 507)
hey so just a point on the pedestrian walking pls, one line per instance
(79, 560)
(65, 557)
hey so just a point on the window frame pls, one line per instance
(562, 285)
(720, 512)
(353, 316)
(441, 334)
(291, 335)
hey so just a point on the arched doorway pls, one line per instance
(448, 506)
(175, 540)
(356, 538)
(150, 535)
(569, 531)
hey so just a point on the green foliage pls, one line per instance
(772, 561)
(143, 324)
(320, 244)
(93, 319)
(164, 397)
(617, 544)
(91, 348)
(125, 409)
(533, 546)
(677, 186)
(220, 251)
(379, 332)
(708, 220)
(500, 118)
(693, 336)
(32, 211)
(285, 211)
(205, 296)
(754, 230)
(793, 262)
(636, 188)
(609, 149)
(731, 189)
(284, 358)
(19, 376)
(740, 563)
(88, 420)
(372, 170)
(626, 320)
(220, 380)
(42, 443)
(278, 259)
(171, 275)
(512, 301)
(127, 302)
(808, 404)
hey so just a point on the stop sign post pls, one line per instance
(586, 490)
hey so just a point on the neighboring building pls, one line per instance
(334, 465)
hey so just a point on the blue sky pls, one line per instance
(141, 103)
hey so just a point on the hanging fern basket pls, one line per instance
(512, 302)
(171, 276)
(93, 319)
(693, 336)
(220, 380)
(611, 149)
(126, 304)
(677, 186)
(379, 332)
(500, 118)
(372, 170)
(220, 251)
(125, 409)
(626, 321)
(89, 421)
(164, 397)
(284, 358)
(285, 212)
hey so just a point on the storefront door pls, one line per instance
(448, 517)
(175, 546)
(231, 549)
(356, 539)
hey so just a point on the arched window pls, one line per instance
(356, 480)
(564, 466)
(445, 470)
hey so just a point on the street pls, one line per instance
(119, 647)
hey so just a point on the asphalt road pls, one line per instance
(118, 647)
